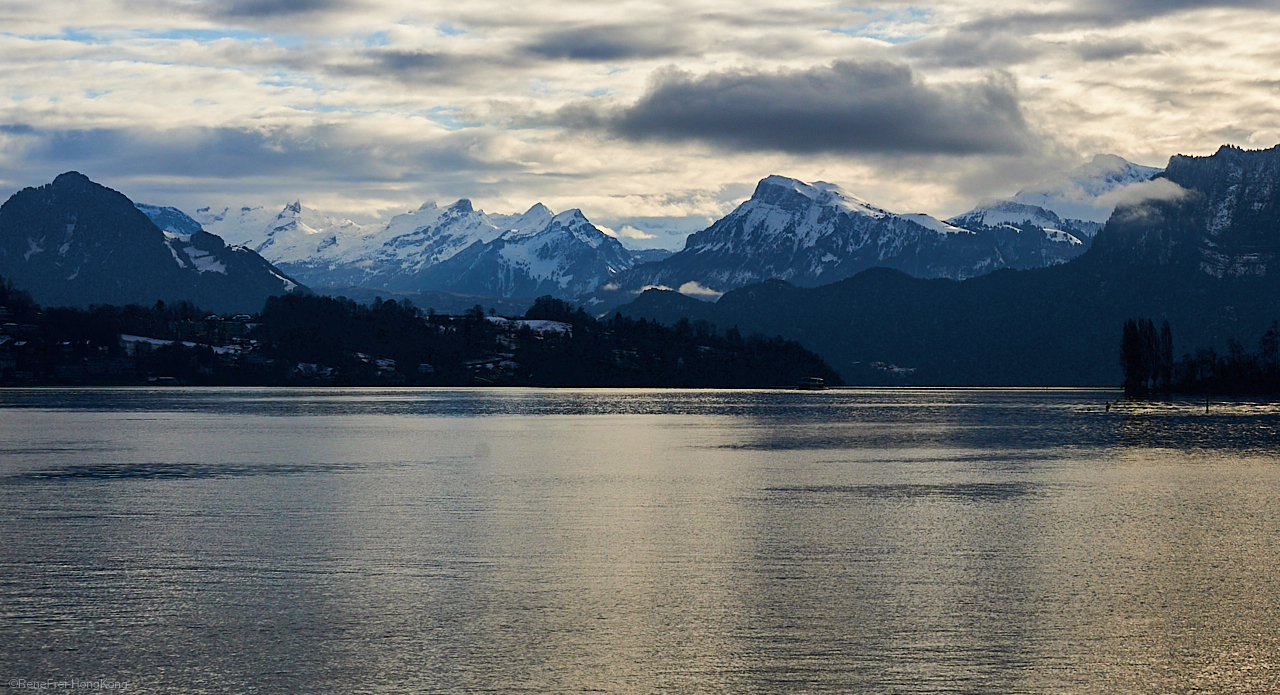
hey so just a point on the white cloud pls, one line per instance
(693, 289)
(1142, 192)
(629, 232)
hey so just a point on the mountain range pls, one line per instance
(806, 233)
(456, 249)
(75, 242)
(1198, 247)
(813, 234)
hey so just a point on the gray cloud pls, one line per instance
(1104, 49)
(965, 47)
(611, 43)
(1143, 192)
(331, 153)
(1103, 13)
(241, 9)
(875, 108)
(1139, 9)
(1001, 39)
(409, 61)
(417, 67)
(197, 166)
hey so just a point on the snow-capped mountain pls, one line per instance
(1088, 192)
(74, 242)
(245, 226)
(460, 249)
(296, 235)
(536, 252)
(1076, 203)
(811, 234)
(397, 254)
(563, 255)
(805, 233)
(303, 235)
(1199, 244)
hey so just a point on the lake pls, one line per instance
(637, 541)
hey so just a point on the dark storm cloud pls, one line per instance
(610, 43)
(877, 108)
(270, 8)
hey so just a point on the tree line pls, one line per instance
(320, 340)
(1146, 355)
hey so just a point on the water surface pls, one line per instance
(507, 540)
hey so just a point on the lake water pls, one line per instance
(549, 541)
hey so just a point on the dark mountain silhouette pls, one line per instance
(75, 243)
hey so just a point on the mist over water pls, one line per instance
(506, 540)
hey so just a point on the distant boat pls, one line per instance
(812, 383)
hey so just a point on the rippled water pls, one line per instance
(458, 541)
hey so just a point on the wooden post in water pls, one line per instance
(1206, 404)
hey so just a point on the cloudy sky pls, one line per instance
(653, 117)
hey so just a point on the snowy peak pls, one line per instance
(793, 194)
(1089, 191)
(575, 224)
(1075, 204)
(540, 225)
(310, 221)
(415, 240)
(1008, 213)
(287, 236)
(538, 216)
(462, 249)
(409, 222)
(1106, 172)
(816, 233)
(785, 215)
(539, 253)
(533, 220)
(244, 226)
(301, 234)
(933, 224)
